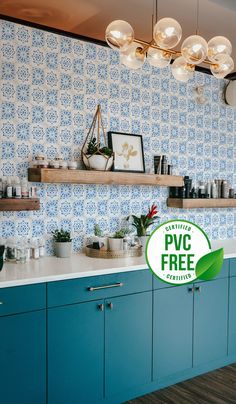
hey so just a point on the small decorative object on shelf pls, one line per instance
(143, 222)
(216, 189)
(161, 165)
(62, 243)
(94, 155)
(128, 150)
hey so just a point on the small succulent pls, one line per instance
(61, 236)
(121, 233)
(94, 148)
(98, 231)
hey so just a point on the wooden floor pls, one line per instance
(218, 387)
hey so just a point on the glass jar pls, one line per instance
(39, 162)
(10, 254)
(21, 252)
(72, 165)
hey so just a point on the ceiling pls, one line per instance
(90, 17)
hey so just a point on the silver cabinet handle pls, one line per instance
(191, 289)
(198, 289)
(110, 305)
(115, 285)
(101, 307)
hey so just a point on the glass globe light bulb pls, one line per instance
(218, 45)
(181, 70)
(223, 66)
(167, 33)
(194, 49)
(119, 35)
(158, 58)
(132, 57)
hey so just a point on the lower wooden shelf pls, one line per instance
(19, 204)
(51, 175)
(200, 203)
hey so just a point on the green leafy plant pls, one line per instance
(61, 236)
(143, 222)
(121, 233)
(98, 231)
(210, 265)
(93, 148)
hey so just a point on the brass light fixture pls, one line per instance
(167, 34)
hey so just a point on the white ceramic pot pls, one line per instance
(98, 162)
(143, 241)
(62, 250)
(115, 244)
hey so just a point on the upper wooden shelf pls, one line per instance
(51, 175)
(201, 203)
(19, 204)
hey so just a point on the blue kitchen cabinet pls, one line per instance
(128, 342)
(76, 353)
(23, 358)
(210, 321)
(232, 317)
(172, 330)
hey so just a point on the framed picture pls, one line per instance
(128, 151)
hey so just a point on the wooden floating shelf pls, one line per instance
(200, 203)
(51, 175)
(19, 204)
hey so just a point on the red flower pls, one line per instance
(152, 211)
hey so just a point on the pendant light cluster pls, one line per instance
(167, 34)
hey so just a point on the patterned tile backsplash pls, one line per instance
(50, 86)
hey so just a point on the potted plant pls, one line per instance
(143, 222)
(96, 157)
(62, 243)
(116, 241)
(99, 237)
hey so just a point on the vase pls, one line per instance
(62, 250)
(143, 241)
(115, 244)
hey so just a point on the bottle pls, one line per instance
(4, 187)
(35, 249)
(201, 190)
(24, 188)
(41, 247)
(224, 189)
(9, 188)
(164, 167)
(208, 187)
(214, 191)
(17, 188)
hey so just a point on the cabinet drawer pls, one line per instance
(98, 287)
(21, 299)
(232, 265)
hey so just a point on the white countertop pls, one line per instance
(49, 269)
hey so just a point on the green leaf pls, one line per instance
(210, 265)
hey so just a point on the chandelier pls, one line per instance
(167, 34)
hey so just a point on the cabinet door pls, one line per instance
(210, 321)
(23, 358)
(75, 353)
(128, 342)
(232, 317)
(172, 330)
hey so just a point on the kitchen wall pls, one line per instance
(50, 86)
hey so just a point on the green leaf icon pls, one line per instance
(210, 265)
